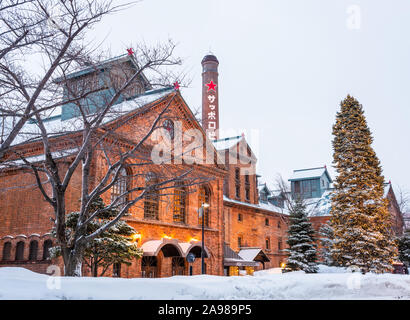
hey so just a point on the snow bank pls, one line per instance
(19, 283)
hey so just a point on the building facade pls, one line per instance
(167, 223)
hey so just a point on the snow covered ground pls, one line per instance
(330, 283)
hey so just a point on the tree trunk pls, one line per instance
(73, 260)
(95, 268)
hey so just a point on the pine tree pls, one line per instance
(326, 240)
(302, 247)
(360, 217)
(112, 246)
(404, 248)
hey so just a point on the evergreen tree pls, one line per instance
(302, 247)
(114, 245)
(360, 217)
(404, 248)
(326, 240)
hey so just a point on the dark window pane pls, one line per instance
(151, 200)
(46, 246)
(6, 251)
(179, 203)
(33, 250)
(20, 251)
(204, 197)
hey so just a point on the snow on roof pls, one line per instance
(33, 159)
(226, 143)
(319, 207)
(55, 126)
(265, 206)
(103, 64)
(249, 254)
(263, 186)
(307, 173)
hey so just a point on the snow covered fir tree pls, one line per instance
(359, 213)
(113, 247)
(302, 247)
(326, 234)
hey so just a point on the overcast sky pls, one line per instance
(284, 68)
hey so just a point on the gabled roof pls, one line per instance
(263, 187)
(253, 254)
(263, 206)
(103, 65)
(310, 173)
(317, 207)
(56, 126)
(231, 258)
(226, 143)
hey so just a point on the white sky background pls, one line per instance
(284, 68)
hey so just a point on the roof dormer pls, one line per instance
(311, 182)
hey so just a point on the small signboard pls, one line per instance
(190, 257)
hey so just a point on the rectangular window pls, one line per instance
(280, 244)
(239, 216)
(314, 185)
(247, 193)
(306, 186)
(267, 243)
(237, 183)
(297, 186)
(239, 242)
(266, 222)
(179, 204)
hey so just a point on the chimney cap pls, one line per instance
(209, 57)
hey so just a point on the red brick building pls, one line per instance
(168, 229)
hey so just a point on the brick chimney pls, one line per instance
(210, 105)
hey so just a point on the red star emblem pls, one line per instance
(211, 85)
(130, 51)
(176, 85)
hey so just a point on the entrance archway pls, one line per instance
(162, 258)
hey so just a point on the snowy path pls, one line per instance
(19, 283)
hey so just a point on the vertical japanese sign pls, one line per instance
(212, 110)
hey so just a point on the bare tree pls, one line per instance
(49, 33)
(101, 104)
(403, 200)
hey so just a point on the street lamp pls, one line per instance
(201, 214)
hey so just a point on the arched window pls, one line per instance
(6, 251)
(179, 202)
(20, 251)
(169, 126)
(204, 197)
(32, 256)
(151, 200)
(119, 188)
(46, 247)
(267, 243)
(149, 267)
